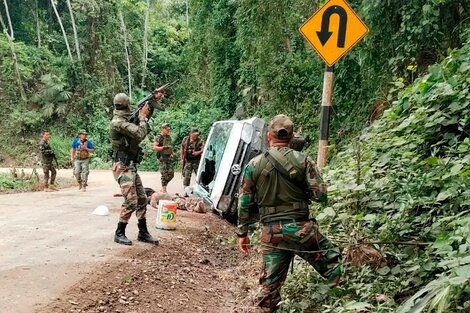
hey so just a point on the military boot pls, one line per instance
(144, 234)
(120, 234)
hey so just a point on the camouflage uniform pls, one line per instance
(191, 162)
(166, 159)
(287, 231)
(125, 138)
(47, 162)
(192, 204)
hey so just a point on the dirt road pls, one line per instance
(56, 256)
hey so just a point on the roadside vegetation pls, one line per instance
(404, 183)
(24, 180)
(10, 183)
(399, 163)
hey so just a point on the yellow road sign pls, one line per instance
(333, 30)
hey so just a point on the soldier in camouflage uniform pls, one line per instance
(163, 146)
(125, 138)
(48, 156)
(282, 182)
(191, 150)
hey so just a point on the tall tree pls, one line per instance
(9, 19)
(187, 14)
(15, 59)
(62, 28)
(126, 48)
(75, 36)
(145, 44)
(38, 25)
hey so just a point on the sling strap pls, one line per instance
(277, 161)
(281, 164)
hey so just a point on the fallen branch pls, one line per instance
(388, 242)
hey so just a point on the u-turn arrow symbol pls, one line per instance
(324, 34)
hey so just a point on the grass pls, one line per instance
(20, 181)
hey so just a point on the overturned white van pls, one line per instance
(229, 146)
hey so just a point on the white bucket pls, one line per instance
(166, 215)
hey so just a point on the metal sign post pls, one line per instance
(332, 31)
(325, 114)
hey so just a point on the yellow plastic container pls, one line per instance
(166, 215)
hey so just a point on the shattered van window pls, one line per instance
(215, 150)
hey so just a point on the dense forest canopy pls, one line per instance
(62, 62)
(239, 56)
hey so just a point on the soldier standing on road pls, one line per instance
(125, 138)
(282, 182)
(79, 156)
(163, 146)
(191, 150)
(48, 157)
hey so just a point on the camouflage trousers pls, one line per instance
(280, 243)
(167, 170)
(189, 167)
(81, 170)
(135, 199)
(49, 167)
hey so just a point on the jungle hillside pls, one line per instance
(399, 148)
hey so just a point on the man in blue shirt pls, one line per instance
(79, 154)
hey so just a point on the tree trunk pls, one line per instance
(7, 11)
(145, 44)
(187, 14)
(124, 33)
(15, 60)
(63, 30)
(77, 47)
(38, 25)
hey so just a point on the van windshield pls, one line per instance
(213, 156)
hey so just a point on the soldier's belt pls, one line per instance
(286, 221)
(122, 156)
(297, 206)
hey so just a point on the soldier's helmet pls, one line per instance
(281, 127)
(121, 101)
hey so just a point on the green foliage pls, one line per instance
(406, 178)
(60, 143)
(7, 182)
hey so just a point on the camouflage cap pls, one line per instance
(281, 127)
(166, 125)
(194, 130)
(82, 131)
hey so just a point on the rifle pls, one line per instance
(134, 118)
(55, 159)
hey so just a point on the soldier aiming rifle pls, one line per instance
(126, 131)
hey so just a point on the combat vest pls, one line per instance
(79, 152)
(167, 143)
(281, 187)
(124, 146)
(190, 147)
